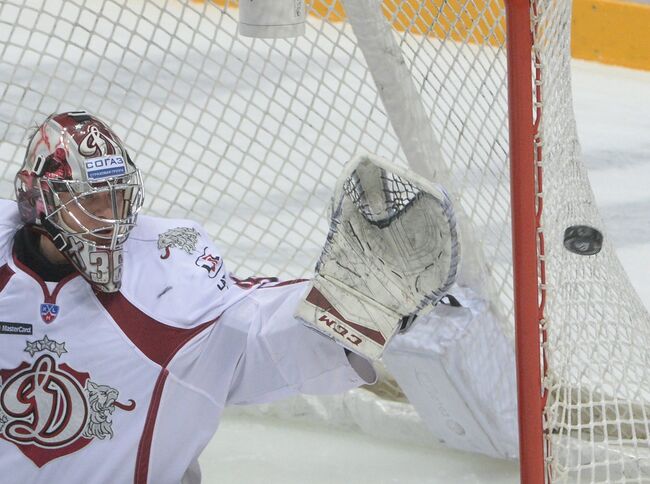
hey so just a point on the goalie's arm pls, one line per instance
(282, 356)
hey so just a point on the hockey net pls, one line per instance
(248, 137)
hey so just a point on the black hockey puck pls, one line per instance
(583, 240)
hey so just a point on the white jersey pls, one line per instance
(129, 387)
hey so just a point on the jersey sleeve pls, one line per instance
(253, 349)
(9, 224)
(282, 356)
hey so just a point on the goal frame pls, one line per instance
(526, 213)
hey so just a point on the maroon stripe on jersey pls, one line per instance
(5, 275)
(47, 296)
(144, 449)
(262, 282)
(60, 284)
(33, 275)
(283, 283)
(158, 341)
(317, 298)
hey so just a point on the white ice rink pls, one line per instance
(613, 114)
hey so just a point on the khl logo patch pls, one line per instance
(49, 312)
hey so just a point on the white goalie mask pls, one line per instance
(80, 188)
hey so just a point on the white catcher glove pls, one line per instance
(392, 252)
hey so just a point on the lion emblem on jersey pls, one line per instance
(102, 401)
(184, 238)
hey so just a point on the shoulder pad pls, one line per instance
(173, 272)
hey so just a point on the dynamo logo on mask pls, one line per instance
(105, 167)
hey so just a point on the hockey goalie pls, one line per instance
(123, 336)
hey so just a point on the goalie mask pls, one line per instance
(80, 188)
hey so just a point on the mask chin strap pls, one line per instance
(57, 237)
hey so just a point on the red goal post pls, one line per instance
(526, 242)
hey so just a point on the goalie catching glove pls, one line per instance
(392, 252)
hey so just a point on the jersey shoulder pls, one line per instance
(9, 223)
(173, 272)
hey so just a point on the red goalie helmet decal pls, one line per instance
(79, 185)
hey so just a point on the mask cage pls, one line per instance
(102, 213)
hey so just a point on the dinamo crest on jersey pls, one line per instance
(48, 409)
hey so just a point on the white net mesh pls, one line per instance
(248, 137)
(597, 328)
